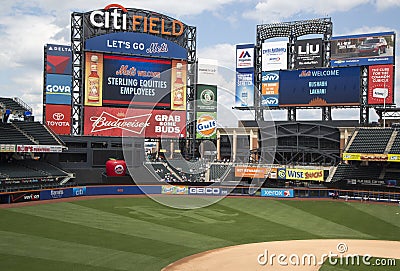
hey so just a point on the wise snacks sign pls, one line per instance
(107, 121)
(302, 174)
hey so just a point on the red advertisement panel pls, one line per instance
(110, 121)
(58, 118)
(380, 84)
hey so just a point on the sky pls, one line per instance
(26, 26)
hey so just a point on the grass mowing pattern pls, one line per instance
(140, 234)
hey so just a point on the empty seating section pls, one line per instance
(10, 135)
(29, 170)
(9, 103)
(370, 141)
(37, 131)
(396, 145)
(217, 171)
(346, 172)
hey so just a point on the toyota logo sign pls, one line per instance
(58, 116)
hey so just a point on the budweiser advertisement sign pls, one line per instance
(58, 118)
(108, 121)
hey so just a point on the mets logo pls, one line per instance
(206, 125)
(282, 174)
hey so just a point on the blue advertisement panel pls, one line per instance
(244, 95)
(56, 194)
(58, 89)
(270, 88)
(122, 190)
(136, 44)
(79, 191)
(277, 193)
(144, 82)
(58, 59)
(320, 87)
(244, 89)
(363, 49)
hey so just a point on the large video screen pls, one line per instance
(320, 87)
(363, 50)
(142, 82)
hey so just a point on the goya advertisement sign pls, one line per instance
(136, 44)
(363, 49)
(380, 84)
(320, 87)
(108, 121)
(206, 125)
(206, 98)
(58, 89)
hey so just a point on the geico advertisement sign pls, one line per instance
(105, 121)
(305, 174)
(214, 191)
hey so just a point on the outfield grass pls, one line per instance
(140, 234)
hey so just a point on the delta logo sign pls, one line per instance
(58, 59)
(115, 16)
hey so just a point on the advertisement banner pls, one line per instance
(250, 172)
(380, 84)
(305, 174)
(207, 71)
(39, 148)
(55, 194)
(274, 56)
(24, 197)
(79, 191)
(206, 98)
(244, 89)
(137, 81)
(178, 85)
(58, 118)
(58, 89)
(206, 125)
(108, 121)
(393, 157)
(174, 190)
(351, 156)
(93, 79)
(277, 193)
(308, 54)
(320, 87)
(281, 173)
(244, 56)
(208, 190)
(270, 88)
(363, 49)
(132, 43)
(7, 148)
(58, 59)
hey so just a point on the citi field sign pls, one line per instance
(117, 17)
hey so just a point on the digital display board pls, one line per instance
(363, 49)
(320, 87)
(270, 88)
